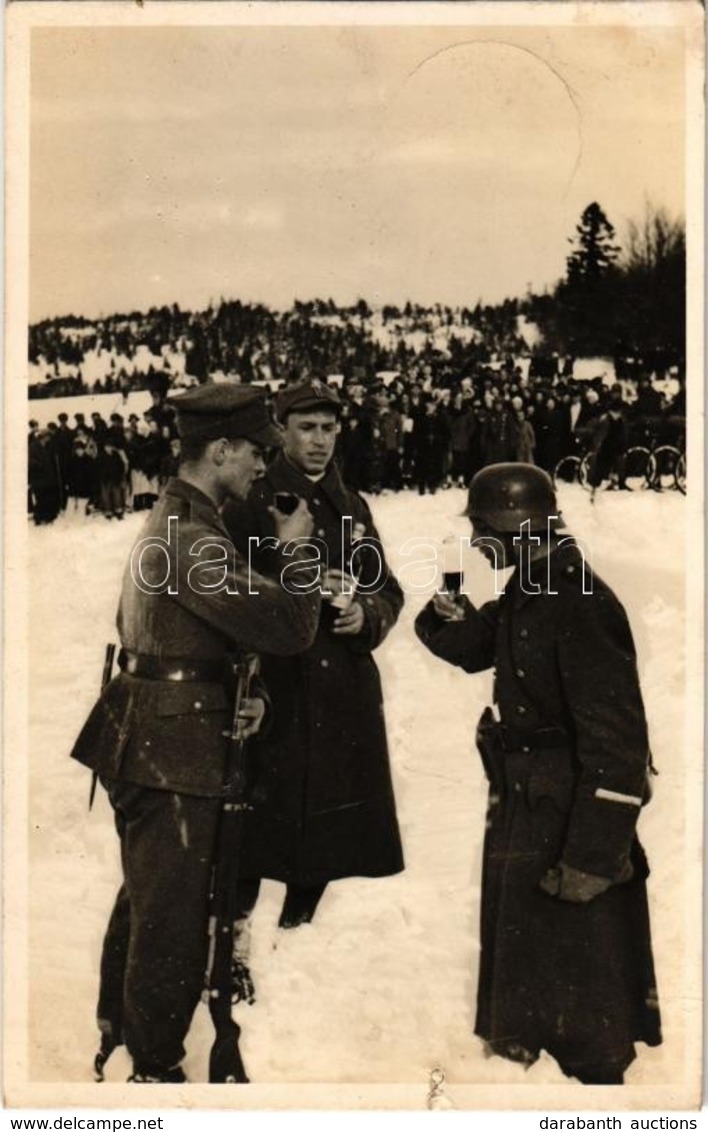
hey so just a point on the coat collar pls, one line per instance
(201, 506)
(564, 562)
(283, 475)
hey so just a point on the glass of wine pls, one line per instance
(452, 581)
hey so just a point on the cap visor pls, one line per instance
(267, 437)
(306, 406)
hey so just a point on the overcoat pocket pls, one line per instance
(551, 777)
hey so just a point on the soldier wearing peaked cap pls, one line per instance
(158, 735)
(323, 802)
(313, 394)
(566, 961)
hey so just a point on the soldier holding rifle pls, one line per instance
(160, 733)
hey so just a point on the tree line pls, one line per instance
(624, 302)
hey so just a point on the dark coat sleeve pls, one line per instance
(259, 613)
(379, 593)
(468, 644)
(255, 610)
(598, 672)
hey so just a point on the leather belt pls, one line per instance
(544, 737)
(171, 667)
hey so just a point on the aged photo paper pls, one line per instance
(169, 159)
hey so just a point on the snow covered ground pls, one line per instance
(381, 987)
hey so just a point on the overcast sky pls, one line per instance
(437, 164)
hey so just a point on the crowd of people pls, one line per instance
(249, 342)
(420, 431)
(101, 466)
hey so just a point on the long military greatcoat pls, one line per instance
(321, 782)
(574, 979)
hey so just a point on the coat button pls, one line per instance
(526, 750)
(324, 663)
(523, 633)
(521, 710)
(320, 532)
(197, 704)
(520, 672)
(517, 787)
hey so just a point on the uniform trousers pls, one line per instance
(155, 948)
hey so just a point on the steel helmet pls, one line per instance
(506, 495)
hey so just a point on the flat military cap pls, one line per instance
(313, 394)
(232, 411)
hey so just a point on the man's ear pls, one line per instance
(219, 450)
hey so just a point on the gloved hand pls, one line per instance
(578, 887)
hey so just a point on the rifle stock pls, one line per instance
(225, 1062)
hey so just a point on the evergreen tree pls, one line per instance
(595, 252)
(587, 298)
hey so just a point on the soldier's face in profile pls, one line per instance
(491, 544)
(309, 439)
(242, 463)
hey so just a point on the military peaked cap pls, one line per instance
(232, 411)
(314, 394)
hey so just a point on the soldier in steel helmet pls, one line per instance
(566, 961)
(158, 736)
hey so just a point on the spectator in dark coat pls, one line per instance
(112, 471)
(82, 470)
(525, 439)
(609, 448)
(462, 426)
(63, 440)
(44, 478)
(498, 435)
(390, 425)
(551, 435)
(431, 441)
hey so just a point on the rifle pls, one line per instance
(225, 1063)
(105, 681)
